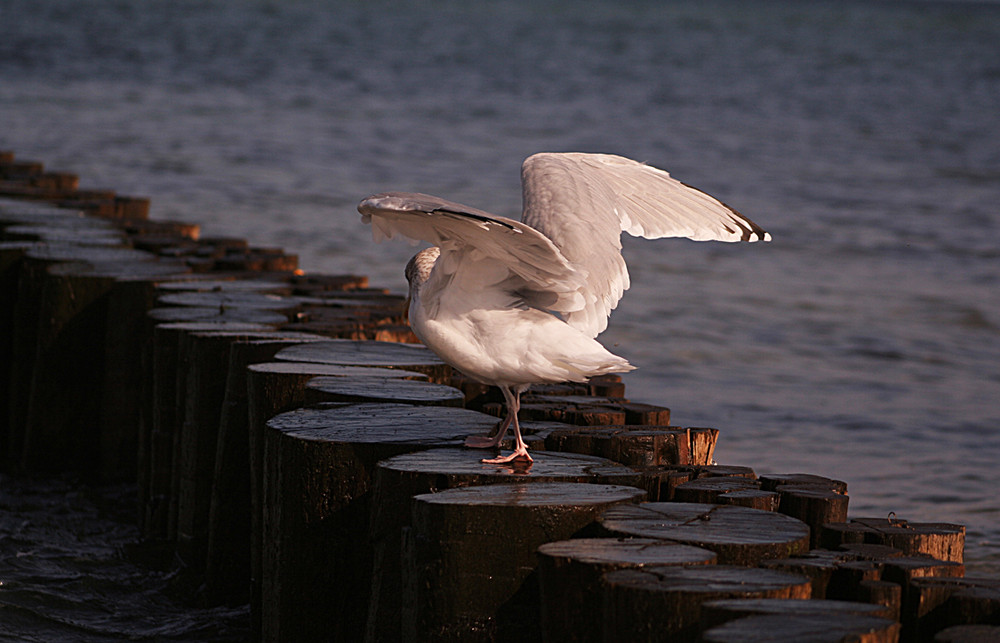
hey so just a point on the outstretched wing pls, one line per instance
(530, 265)
(583, 202)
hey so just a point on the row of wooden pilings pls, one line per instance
(293, 449)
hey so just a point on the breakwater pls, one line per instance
(295, 450)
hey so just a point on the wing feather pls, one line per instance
(583, 202)
(540, 274)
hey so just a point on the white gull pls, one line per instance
(514, 303)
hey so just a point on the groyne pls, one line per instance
(296, 449)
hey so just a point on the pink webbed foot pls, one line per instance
(520, 453)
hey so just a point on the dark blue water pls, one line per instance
(862, 343)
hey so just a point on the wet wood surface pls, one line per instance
(934, 603)
(371, 353)
(164, 373)
(715, 613)
(814, 506)
(469, 561)
(663, 603)
(228, 566)
(55, 396)
(805, 628)
(944, 541)
(381, 389)
(707, 490)
(196, 447)
(274, 388)
(570, 572)
(193, 314)
(771, 481)
(968, 634)
(634, 445)
(739, 536)
(317, 468)
(402, 477)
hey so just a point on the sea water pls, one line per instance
(863, 343)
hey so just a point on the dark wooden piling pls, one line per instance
(342, 352)
(228, 570)
(56, 410)
(400, 478)
(814, 506)
(222, 300)
(739, 536)
(943, 541)
(714, 613)
(817, 565)
(634, 445)
(10, 260)
(195, 314)
(707, 490)
(969, 634)
(663, 603)
(131, 293)
(771, 481)
(934, 603)
(206, 356)
(816, 628)
(156, 452)
(570, 574)
(469, 570)
(359, 315)
(381, 389)
(273, 388)
(317, 467)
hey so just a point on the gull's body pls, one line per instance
(514, 303)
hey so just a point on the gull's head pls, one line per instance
(418, 269)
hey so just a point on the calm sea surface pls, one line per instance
(863, 343)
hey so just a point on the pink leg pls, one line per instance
(489, 441)
(520, 448)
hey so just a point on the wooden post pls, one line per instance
(206, 354)
(814, 506)
(11, 253)
(968, 634)
(381, 389)
(158, 511)
(61, 428)
(928, 604)
(131, 291)
(707, 490)
(342, 352)
(663, 603)
(714, 613)
(400, 478)
(470, 556)
(845, 628)
(317, 466)
(227, 568)
(570, 574)
(739, 536)
(943, 541)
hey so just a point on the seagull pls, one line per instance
(515, 303)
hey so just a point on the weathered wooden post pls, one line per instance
(401, 478)
(663, 603)
(570, 577)
(317, 465)
(469, 559)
